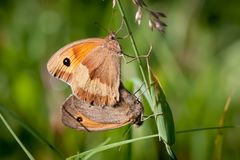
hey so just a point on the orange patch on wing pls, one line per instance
(81, 50)
(75, 52)
(91, 125)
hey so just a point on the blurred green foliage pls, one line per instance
(197, 61)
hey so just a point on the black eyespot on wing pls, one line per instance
(79, 119)
(67, 62)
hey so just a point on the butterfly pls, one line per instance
(91, 67)
(80, 115)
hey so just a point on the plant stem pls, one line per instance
(133, 43)
(206, 128)
(148, 83)
(106, 146)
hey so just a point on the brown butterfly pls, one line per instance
(91, 67)
(80, 115)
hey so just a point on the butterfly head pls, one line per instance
(111, 37)
(112, 44)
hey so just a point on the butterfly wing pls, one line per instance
(65, 61)
(80, 115)
(91, 67)
(100, 85)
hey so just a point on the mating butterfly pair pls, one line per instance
(99, 102)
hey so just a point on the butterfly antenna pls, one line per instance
(111, 20)
(101, 27)
(121, 27)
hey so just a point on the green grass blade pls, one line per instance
(109, 146)
(16, 138)
(117, 144)
(206, 129)
(137, 83)
(165, 122)
(32, 131)
(93, 153)
(170, 152)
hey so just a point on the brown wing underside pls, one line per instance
(80, 115)
(104, 66)
(100, 80)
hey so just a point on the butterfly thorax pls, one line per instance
(112, 44)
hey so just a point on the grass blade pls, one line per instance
(109, 146)
(93, 153)
(31, 131)
(165, 123)
(16, 138)
(117, 144)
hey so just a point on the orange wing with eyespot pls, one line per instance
(65, 61)
(80, 122)
(80, 115)
(91, 67)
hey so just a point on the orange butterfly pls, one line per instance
(91, 67)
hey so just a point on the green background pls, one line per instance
(197, 61)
